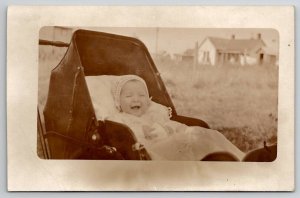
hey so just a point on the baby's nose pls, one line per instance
(136, 98)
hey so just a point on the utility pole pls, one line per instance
(156, 43)
(195, 62)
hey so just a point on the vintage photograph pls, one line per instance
(137, 98)
(158, 93)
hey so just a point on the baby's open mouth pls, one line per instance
(136, 107)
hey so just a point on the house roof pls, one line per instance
(236, 45)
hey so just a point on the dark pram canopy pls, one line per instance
(69, 114)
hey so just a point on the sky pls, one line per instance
(177, 40)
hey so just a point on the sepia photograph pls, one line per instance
(158, 94)
(138, 98)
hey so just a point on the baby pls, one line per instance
(132, 98)
(151, 124)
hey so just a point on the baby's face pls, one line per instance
(134, 99)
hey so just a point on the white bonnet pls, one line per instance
(118, 85)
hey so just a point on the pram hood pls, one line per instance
(69, 110)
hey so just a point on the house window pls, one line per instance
(203, 57)
(206, 57)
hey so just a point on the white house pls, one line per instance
(220, 51)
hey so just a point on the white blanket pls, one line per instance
(171, 140)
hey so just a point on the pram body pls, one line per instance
(71, 127)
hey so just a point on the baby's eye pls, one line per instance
(128, 96)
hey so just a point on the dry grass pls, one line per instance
(240, 102)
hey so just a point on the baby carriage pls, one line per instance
(71, 127)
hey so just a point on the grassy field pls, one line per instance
(240, 102)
